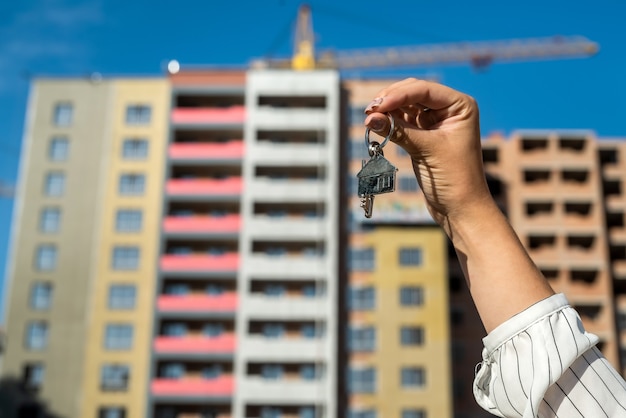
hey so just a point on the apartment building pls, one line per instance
(193, 246)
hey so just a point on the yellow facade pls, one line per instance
(390, 398)
(155, 94)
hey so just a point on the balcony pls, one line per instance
(285, 307)
(200, 263)
(287, 227)
(269, 190)
(193, 387)
(205, 187)
(226, 302)
(262, 390)
(287, 267)
(198, 224)
(194, 151)
(233, 115)
(195, 344)
(265, 349)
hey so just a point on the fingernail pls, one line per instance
(377, 124)
(374, 104)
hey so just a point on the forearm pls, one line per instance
(502, 278)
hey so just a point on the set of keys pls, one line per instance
(378, 175)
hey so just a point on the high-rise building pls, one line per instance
(193, 246)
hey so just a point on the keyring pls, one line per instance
(367, 133)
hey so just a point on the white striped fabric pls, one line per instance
(542, 363)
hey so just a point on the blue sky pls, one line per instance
(121, 37)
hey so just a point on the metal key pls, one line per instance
(377, 176)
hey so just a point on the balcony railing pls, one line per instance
(226, 302)
(193, 387)
(224, 344)
(204, 187)
(228, 262)
(206, 151)
(209, 115)
(202, 224)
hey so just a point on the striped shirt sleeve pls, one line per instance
(542, 363)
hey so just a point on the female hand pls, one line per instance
(439, 128)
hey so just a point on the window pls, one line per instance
(214, 289)
(362, 298)
(173, 370)
(138, 114)
(410, 256)
(362, 339)
(273, 330)
(132, 184)
(178, 289)
(125, 258)
(366, 413)
(36, 335)
(361, 259)
(55, 184)
(272, 371)
(412, 336)
(306, 412)
(413, 413)
(271, 412)
(122, 296)
(411, 296)
(413, 377)
(408, 183)
(274, 290)
(175, 329)
(59, 149)
(213, 329)
(114, 377)
(128, 220)
(112, 412)
(50, 220)
(362, 380)
(41, 296)
(308, 372)
(118, 337)
(309, 330)
(33, 375)
(63, 114)
(135, 149)
(46, 257)
(213, 371)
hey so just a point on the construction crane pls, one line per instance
(478, 54)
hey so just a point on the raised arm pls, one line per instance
(439, 128)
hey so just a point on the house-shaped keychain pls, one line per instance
(377, 176)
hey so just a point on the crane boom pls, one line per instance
(478, 54)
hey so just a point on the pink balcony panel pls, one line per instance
(224, 344)
(222, 386)
(194, 150)
(226, 302)
(197, 262)
(233, 114)
(230, 186)
(202, 224)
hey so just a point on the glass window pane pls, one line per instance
(63, 114)
(413, 377)
(41, 296)
(361, 259)
(411, 296)
(122, 296)
(125, 258)
(138, 114)
(118, 337)
(412, 335)
(132, 184)
(36, 335)
(114, 377)
(59, 149)
(128, 220)
(410, 256)
(50, 220)
(33, 375)
(46, 257)
(135, 149)
(55, 184)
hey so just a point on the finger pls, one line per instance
(380, 124)
(418, 92)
